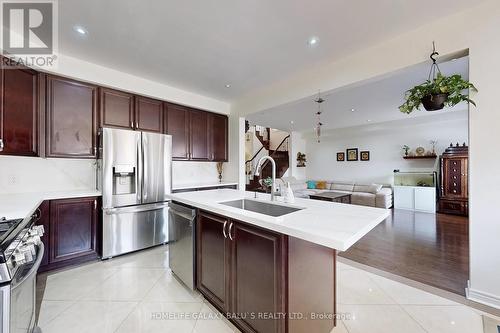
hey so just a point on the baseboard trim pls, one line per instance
(482, 297)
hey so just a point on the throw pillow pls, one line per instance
(311, 184)
(321, 185)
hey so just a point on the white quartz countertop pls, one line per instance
(334, 225)
(202, 185)
(21, 205)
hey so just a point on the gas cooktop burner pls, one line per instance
(7, 225)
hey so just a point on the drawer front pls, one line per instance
(453, 207)
(455, 173)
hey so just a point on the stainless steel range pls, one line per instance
(21, 252)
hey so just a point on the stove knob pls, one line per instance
(18, 257)
(35, 240)
(37, 230)
(27, 251)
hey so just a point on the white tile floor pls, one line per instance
(137, 293)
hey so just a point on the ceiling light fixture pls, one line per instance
(352, 110)
(228, 85)
(313, 41)
(80, 30)
(368, 120)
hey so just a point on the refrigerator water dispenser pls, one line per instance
(124, 179)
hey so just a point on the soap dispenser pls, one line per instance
(289, 197)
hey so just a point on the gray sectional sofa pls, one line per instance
(374, 195)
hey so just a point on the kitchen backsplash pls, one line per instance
(30, 174)
(194, 172)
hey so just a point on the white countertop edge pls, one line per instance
(273, 223)
(202, 185)
(23, 205)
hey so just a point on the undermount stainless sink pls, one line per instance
(261, 207)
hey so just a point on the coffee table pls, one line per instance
(332, 196)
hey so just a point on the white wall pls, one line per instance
(104, 76)
(297, 144)
(475, 30)
(30, 174)
(384, 141)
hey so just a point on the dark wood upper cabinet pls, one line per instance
(71, 129)
(258, 277)
(148, 114)
(199, 138)
(73, 229)
(218, 137)
(19, 111)
(116, 109)
(177, 125)
(213, 260)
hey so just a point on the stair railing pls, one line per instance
(282, 143)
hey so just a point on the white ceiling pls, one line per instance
(203, 45)
(374, 101)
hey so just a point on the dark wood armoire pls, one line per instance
(454, 187)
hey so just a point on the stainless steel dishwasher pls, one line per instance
(181, 235)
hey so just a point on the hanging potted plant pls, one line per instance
(438, 91)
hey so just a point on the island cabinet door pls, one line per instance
(213, 259)
(258, 278)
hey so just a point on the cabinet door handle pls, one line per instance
(2, 146)
(230, 227)
(224, 229)
(132, 124)
(95, 204)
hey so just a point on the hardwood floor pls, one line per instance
(428, 248)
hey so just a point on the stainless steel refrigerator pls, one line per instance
(135, 175)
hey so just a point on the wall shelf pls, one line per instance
(420, 157)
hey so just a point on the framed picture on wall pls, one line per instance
(364, 155)
(352, 154)
(340, 157)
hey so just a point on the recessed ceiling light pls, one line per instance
(368, 120)
(352, 110)
(291, 122)
(80, 30)
(228, 85)
(313, 41)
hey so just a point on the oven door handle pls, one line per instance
(33, 269)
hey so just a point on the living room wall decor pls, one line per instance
(352, 154)
(340, 157)
(301, 160)
(365, 155)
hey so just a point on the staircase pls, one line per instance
(280, 156)
(263, 134)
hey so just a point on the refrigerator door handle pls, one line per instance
(145, 168)
(135, 209)
(140, 166)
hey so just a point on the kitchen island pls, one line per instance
(273, 273)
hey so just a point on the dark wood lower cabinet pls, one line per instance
(213, 261)
(263, 280)
(71, 231)
(258, 278)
